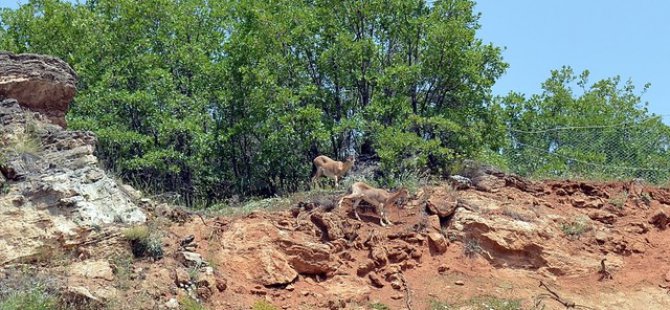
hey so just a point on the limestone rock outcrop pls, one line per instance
(52, 186)
(40, 83)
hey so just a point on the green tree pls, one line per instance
(215, 98)
(602, 130)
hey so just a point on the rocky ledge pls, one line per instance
(40, 83)
(51, 185)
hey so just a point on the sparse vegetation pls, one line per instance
(188, 303)
(121, 264)
(23, 142)
(379, 306)
(515, 215)
(27, 290)
(32, 299)
(576, 228)
(495, 303)
(440, 305)
(263, 305)
(471, 248)
(479, 303)
(144, 242)
(619, 200)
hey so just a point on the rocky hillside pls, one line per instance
(52, 184)
(488, 241)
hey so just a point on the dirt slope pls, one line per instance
(449, 245)
(446, 245)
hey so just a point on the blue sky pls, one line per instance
(626, 38)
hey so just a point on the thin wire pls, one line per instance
(589, 127)
(592, 163)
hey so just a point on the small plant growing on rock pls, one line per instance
(495, 303)
(619, 200)
(379, 306)
(27, 290)
(263, 305)
(576, 228)
(471, 248)
(23, 143)
(439, 305)
(143, 242)
(188, 303)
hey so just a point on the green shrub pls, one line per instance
(379, 306)
(440, 305)
(188, 303)
(576, 228)
(495, 303)
(263, 305)
(144, 243)
(35, 299)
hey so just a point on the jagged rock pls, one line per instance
(459, 182)
(181, 277)
(365, 267)
(602, 216)
(659, 219)
(82, 295)
(516, 244)
(375, 280)
(190, 259)
(437, 242)
(40, 83)
(309, 258)
(57, 186)
(329, 225)
(221, 284)
(441, 208)
(488, 183)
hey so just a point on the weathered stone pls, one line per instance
(181, 276)
(190, 259)
(172, 304)
(659, 219)
(375, 280)
(221, 284)
(92, 270)
(309, 258)
(441, 208)
(459, 282)
(437, 242)
(81, 295)
(488, 183)
(365, 267)
(40, 83)
(578, 202)
(602, 216)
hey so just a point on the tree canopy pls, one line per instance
(214, 98)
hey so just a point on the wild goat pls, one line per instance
(331, 168)
(378, 198)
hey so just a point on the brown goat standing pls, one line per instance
(327, 167)
(378, 198)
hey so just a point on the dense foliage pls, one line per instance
(214, 98)
(600, 130)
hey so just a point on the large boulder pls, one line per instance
(40, 83)
(268, 255)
